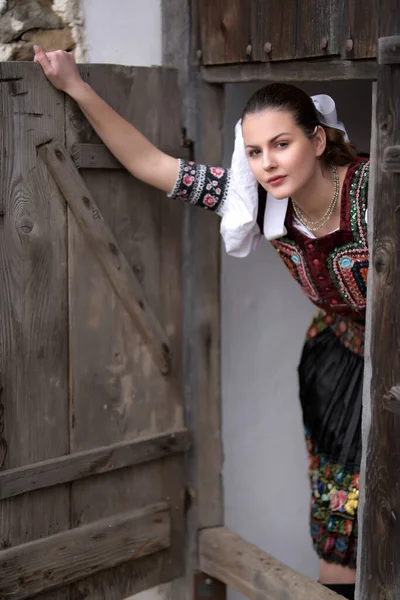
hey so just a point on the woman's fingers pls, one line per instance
(59, 67)
(42, 59)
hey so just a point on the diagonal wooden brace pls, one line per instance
(108, 253)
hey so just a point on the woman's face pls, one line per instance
(281, 157)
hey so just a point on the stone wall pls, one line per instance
(53, 24)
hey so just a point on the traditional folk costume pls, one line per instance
(332, 271)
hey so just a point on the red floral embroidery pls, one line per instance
(187, 180)
(210, 200)
(202, 185)
(217, 172)
(338, 499)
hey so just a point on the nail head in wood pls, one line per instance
(249, 50)
(349, 45)
(389, 50)
(267, 47)
(391, 159)
(208, 587)
(324, 43)
(199, 54)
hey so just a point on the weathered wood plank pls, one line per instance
(108, 360)
(200, 283)
(33, 301)
(360, 24)
(225, 31)
(98, 156)
(273, 29)
(203, 335)
(107, 250)
(380, 519)
(92, 462)
(301, 70)
(389, 18)
(258, 576)
(67, 557)
(317, 28)
(389, 50)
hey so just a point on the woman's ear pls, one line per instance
(320, 141)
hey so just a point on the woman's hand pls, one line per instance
(59, 68)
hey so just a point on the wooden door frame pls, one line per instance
(202, 119)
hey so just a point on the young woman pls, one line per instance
(296, 179)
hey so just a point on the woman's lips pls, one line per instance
(276, 180)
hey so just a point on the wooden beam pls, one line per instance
(245, 568)
(98, 156)
(202, 117)
(379, 550)
(63, 558)
(104, 459)
(107, 251)
(389, 50)
(293, 70)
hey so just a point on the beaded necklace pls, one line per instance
(316, 225)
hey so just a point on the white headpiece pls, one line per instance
(239, 227)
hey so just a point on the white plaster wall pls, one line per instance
(125, 32)
(264, 319)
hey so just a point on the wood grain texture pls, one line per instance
(291, 71)
(381, 473)
(273, 22)
(98, 156)
(360, 26)
(33, 302)
(389, 18)
(225, 31)
(92, 462)
(108, 360)
(201, 291)
(107, 251)
(202, 339)
(248, 570)
(317, 28)
(57, 560)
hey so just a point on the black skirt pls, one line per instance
(330, 381)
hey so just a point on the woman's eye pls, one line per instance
(282, 144)
(254, 153)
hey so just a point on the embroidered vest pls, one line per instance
(332, 270)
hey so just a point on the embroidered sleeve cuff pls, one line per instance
(203, 186)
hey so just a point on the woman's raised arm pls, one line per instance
(139, 156)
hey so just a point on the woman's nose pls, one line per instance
(268, 161)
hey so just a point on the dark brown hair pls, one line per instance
(283, 96)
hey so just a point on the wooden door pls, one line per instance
(379, 554)
(92, 438)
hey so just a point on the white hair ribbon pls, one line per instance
(239, 228)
